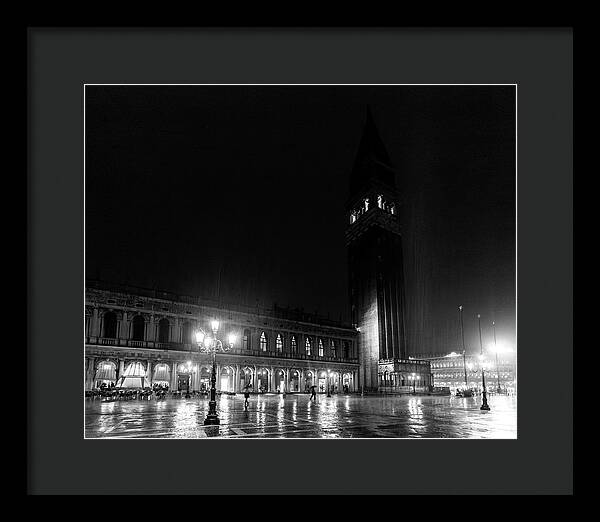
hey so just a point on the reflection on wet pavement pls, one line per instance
(295, 416)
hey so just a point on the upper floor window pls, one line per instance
(333, 349)
(380, 201)
(110, 325)
(163, 330)
(279, 343)
(352, 217)
(263, 342)
(294, 344)
(307, 346)
(346, 350)
(246, 340)
(366, 204)
(320, 348)
(186, 333)
(137, 328)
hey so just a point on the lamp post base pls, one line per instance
(484, 406)
(211, 420)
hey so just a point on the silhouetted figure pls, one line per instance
(246, 397)
(313, 393)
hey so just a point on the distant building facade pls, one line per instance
(452, 372)
(145, 333)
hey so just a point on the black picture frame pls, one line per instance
(61, 61)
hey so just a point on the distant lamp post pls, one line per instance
(462, 335)
(212, 345)
(498, 389)
(484, 404)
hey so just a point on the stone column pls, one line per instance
(174, 365)
(95, 326)
(236, 378)
(150, 329)
(123, 327)
(271, 379)
(287, 379)
(91, 370)
(149, 372)
(174, 334)
(254, 379)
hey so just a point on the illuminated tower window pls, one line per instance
(279, 343)
(263, 342)
(380, 201)
(366, 204)
(352, 217)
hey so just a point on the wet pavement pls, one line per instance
(273, 416)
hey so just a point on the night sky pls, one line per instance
(186, 182)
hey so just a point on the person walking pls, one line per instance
(313, 393)
(246, 397)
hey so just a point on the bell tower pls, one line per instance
(375, 258)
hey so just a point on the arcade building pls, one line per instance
(137, 337)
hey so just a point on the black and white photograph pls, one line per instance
(300, 261)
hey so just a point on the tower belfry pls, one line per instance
(374, 243)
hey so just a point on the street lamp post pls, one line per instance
(328, 383)
(462, 334)
(498, 390)
(414, 382)
(484, 404)
(211, 345)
